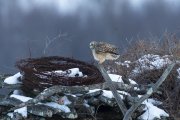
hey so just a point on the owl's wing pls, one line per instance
(106, 47)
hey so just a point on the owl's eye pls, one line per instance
(91, 44)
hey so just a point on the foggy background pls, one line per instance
(27, 25)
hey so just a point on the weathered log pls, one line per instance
(46, 111)
(93, 94)
(52, 90)
(41, 110)
(10, 101)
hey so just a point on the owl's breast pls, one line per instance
(95, 55)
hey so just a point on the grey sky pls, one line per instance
(26, 25)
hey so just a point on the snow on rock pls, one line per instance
(152, 111)
(116, 78)
(23, 110)
(13, 79)
(57, 106)
(10, 114)
(154, 102)
(108, 94)
(94, 90)
(178, 71)
(125, 63)
(18, 92)
(21, 98)
(132, 82)
(123, 92)
(150, 62)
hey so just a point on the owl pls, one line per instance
(104, 51)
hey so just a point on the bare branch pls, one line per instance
(49, 41)
(112, 88)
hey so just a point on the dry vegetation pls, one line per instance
(168, 45)
(170, 89)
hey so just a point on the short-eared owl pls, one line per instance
(103, 51)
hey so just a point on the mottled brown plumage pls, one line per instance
(104, 51)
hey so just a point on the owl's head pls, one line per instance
(92, 44)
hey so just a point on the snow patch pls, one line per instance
(10, 115)
(132, 82)
(57, 106)
(108, 94)
(125, 63)
(154, 102)
(13, 79)
(22, 111)
(21, 98)
(18, 92)
(152, 111)
(94, 90)
(178, 71)
(150, 62)
(116, 78)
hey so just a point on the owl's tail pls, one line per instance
(112, 56)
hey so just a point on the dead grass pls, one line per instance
(168, 45)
